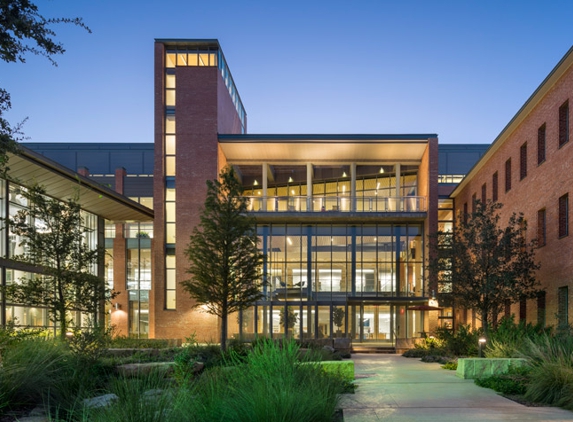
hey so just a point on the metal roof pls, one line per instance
(29, 167)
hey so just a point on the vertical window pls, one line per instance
(541, 228)
(522, 309)
(465, 212)
(523, 161)
(563, 306)
(541, 144)
(564, 215)
(494, 187)
(508, 175)
(170, 280)
(541, 309)
(507, 308)
(564, 124)
(474, 200)
(483, 193)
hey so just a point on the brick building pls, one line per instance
(528, 169)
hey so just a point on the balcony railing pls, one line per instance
(336, 204)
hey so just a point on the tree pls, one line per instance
(482, 266)
(53, 237)
(223, 254)
(24, 30)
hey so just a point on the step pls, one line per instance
(373, 349)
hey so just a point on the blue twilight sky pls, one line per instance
(458, 68)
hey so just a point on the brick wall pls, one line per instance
(541, 188)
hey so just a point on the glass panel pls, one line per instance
(192, 59)
(170, 233)
(203, 59)
(277, 320)
(181, 59)
(170, 212)
(213, 59)
(170, 97)
(308, 318)
(170, 166)
(170, 144)
(170, 279)
(170, 60)
(170, 81)
(263, 323)
(339, 321)
(170, 299)
(170, 124)
(170, 194)
(323, 321)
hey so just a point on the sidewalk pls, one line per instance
(394, 388)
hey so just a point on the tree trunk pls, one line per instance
(63, 325)
(224, 332)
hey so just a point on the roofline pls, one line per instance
(71, 175)
(213, 42)
(318, 138)
(557, 72)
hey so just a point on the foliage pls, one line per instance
(223, 254)
(270, 385)
(515, 382)
(451, 365)
(462, 342)
(508, 338)
(290, 317)
(24, 30)
(90, 343)
(54, 240)
(485, 265)
(138, 343)
(338, 316)
(146, 399)
(39, 371)
(551, 364)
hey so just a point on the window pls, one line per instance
(483, 193)
(465, 212)
(508, 175)
(564, 124)
(564, 215)
(541, 144)
(494, 187)
(523, 161)
(507, 308)
(522, 309)
(541, 309)
(541, 228)
(563, 306)
(474, 200)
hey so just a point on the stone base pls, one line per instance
(473, 368)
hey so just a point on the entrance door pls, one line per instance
(374, 324)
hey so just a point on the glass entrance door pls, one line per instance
(374, 324)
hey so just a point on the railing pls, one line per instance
(336, 204)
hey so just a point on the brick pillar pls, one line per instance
(83, 171)
(120, 174)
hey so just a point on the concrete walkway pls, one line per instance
(394, 388)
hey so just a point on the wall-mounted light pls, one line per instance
(117, 306)
(255, 183)
(344, 174)
(290, 180)
(381, 170)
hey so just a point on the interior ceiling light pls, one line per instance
(381, 170)
(290, 180)
(344, 174)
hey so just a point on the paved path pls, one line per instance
(394, 388)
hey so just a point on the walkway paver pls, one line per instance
(395, 388)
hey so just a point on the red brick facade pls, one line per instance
(544, 182)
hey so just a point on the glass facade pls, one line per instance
(321, 281)
(11, 202)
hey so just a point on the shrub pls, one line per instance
(550, 360)
(122, 342)
(269, 385)
(515, 382)
(508, 338)
(461, 343)
(451, 365)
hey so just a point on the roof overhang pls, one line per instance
(532, 102)
(28, 168)
(251, 149)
